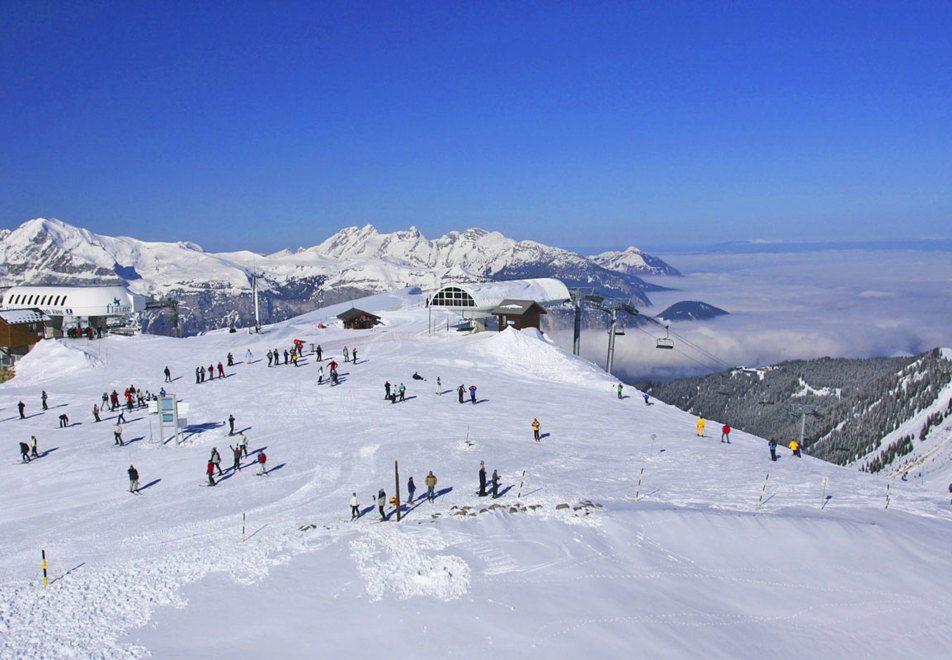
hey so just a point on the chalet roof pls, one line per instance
(18, 316)
(353, 313)
(512, 307)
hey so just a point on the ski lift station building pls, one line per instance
(478, 301)
(75, 306)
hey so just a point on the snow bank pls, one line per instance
(535, 354)
(52, 359)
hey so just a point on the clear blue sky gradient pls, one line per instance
(269, 125)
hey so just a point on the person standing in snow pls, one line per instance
(700, 426)
(121, 419)
(726, 434)
(482, 478)
(535, 429)
(215, 458)
(286, 356)
(270, 356)
(242, 444)
(96, 412)
(262, 460)
(353, 355)
(320, 353)
(403, 392)
(43, 398)
(320, 375)
(231, 359)
(495, 484)
(210, 471)
(231, 425)
(354, 507)
(133, 479)
(21, 407)
(198, 376)
(168, 375)
(33, 451)
(117, 434)
(236, 452)
(620, 388)
(795, 448)
(472, 394)
(249, 356)
(460, 392)
(411, 488)
(24, 452)
(221, 370)
(439, 386)
(645, 395)
(386, 389)
(211, 372)
(772, 445)
(346, 354)
(430, 485)
(381, 501)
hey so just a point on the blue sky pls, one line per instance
(271, 125)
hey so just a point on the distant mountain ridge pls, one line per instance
(214, 289)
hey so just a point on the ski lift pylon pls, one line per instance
(666, 341)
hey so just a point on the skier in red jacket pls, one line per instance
(261, 461)
(726, 434)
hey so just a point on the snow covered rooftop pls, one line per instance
(18, 316)
(483, 296)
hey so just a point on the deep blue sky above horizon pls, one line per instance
(270, 125)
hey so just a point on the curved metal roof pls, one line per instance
(74, 300)
(483, 296)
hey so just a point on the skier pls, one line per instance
(482, 478)
(353, 355)
(105, 400)
(320, 376)
(211, 372)
(168, 375)
(354, 507)
(231, 425)
(294, 359)
(320, 353)
(726, 434)
(460, 392)
(262, 459)
(335, 380)
(472, 394)
(24, 452)
(645, 395)
(795, 448)
(198, 376)
(201, 372)
(21, 406)
(430, 485)
(121, 419)
(43, 398)
(270, 356)
(772, 445)
(33, 451)
(535, 429)
(117, 433)
(114, 400)
(133, 480)
(495, 484)
(210, 471)
(620, 388)
(386, 388)
(236, 452)
(700, 426)
(242, 444)
(231, 359)
(439, 386)
(403, 392)
(411, 488)
(381, 500)
(221, 370)
(286, 356)
(96, 412)
(215, 458)
(248, 356)
(346, 354)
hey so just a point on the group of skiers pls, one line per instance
(382, 501)
(771, 444)
(28, 451)
(239, 451)
(201, 372)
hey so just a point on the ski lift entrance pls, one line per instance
(666, 341)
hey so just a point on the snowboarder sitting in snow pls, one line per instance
(417, 376)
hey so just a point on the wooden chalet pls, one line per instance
(358, 319)
(518, 314)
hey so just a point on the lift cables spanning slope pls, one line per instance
(684, 340)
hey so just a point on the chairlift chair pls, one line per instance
(666, 341)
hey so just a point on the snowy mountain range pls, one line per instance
(213, 289)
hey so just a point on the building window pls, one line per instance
(452, 296)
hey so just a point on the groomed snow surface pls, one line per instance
(693, 568)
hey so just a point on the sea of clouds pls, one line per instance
(789, 305)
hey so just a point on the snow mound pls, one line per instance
(534, 354)
(52, 359)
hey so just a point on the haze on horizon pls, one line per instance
(242, 127)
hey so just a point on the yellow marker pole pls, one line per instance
(826, 480)
(640, 477)
(762, 491)
(46, 581)
(887, 496)
(242, 528)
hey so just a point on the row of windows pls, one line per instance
(36, 299)
(452, 296)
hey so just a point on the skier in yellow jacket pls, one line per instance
(700, 426)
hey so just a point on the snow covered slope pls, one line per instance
(692, 567)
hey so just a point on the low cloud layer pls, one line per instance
(790, 306)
